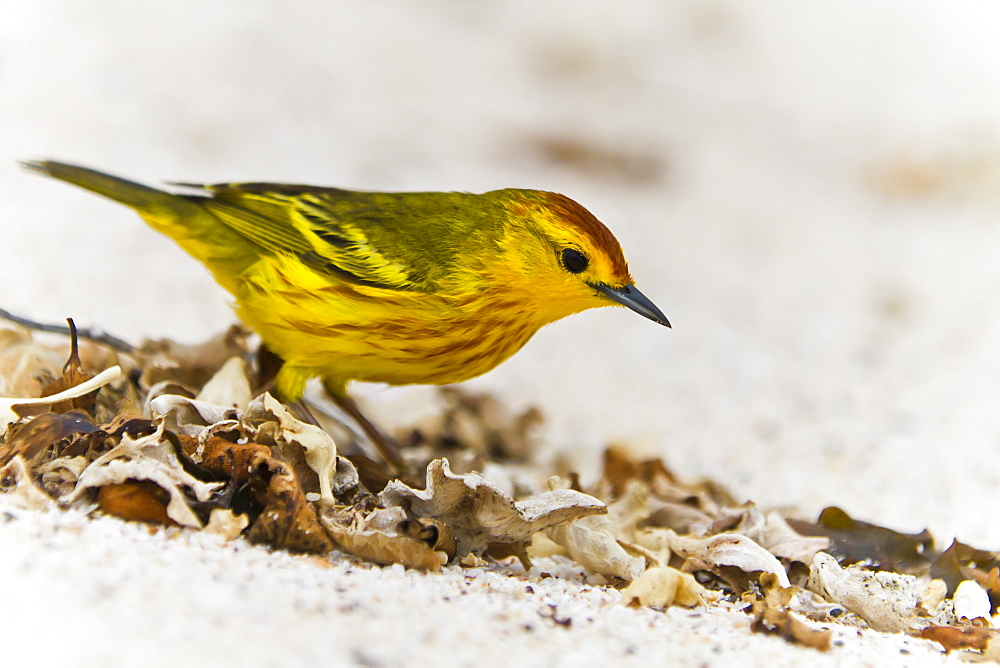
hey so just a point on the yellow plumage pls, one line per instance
(387, 287)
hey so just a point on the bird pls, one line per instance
(390, 287)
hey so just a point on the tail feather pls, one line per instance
(183, 218)
(130, 193)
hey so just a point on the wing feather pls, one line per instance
(314, 224)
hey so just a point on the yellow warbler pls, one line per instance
(387, 287)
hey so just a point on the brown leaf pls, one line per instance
(853, 541)
(771, 615)
(73, 374)
(26, 366)
(32, 439)
(190, 365)
(154, 458)
(232, 460)
(953, 637)
(964, 562)
(480, 513)
(13, 409)
(136, 500)
(287, 521)
(781, 622)
(621, 469)
(129, 423)
(384, 537)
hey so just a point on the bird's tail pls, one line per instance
(142, 198)
(183, 218)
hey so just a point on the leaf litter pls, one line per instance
(189, 436)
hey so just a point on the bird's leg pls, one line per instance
(385, 445)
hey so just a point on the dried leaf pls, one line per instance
(190, 416)
(59, 476)
(782, 622)
(8, 405)
(287, 521)
(853, 541)
(226, 524)
(151, 458)
(784, 542)
(136, 500)
(15, 481)
(190, 365)
(621, 468)
(952, 637)
(274, 422)
(479, 513)
(231, 460)
(229, 386)
(26, 366)
(729, 550)
(963, 562)
(887, 601)
(663, 587)
(73, 374)
(378, 537)
(32, 439)
(592, 542)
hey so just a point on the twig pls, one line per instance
(90, 333)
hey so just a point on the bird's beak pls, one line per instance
(629, 296)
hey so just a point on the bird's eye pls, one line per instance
(574, 260)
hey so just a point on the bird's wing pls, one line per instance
(318, 225)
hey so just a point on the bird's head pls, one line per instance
(566, 259)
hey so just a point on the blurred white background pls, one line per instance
(809, 191)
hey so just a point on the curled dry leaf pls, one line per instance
(32, 439)
(15, 481)
(479, 513)
(190, 365)
(729, 550)
(592, 542)
(276, 424)
(381, 536)
(190, 417)
(229, 386)
(887, 601)
(932, 595)
(853, 541)
(226, 524)
(784, 542)
(8, 405)
(154, 459)
(772, 615)
(25, 365)
(59, 476)
(231, 460)
(135, 500)
(964, 562)
(287, 520)
(664, 587)
(953, 638)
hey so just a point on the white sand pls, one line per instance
(823, 234)
(104, 592)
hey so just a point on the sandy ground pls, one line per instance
(809, 193)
